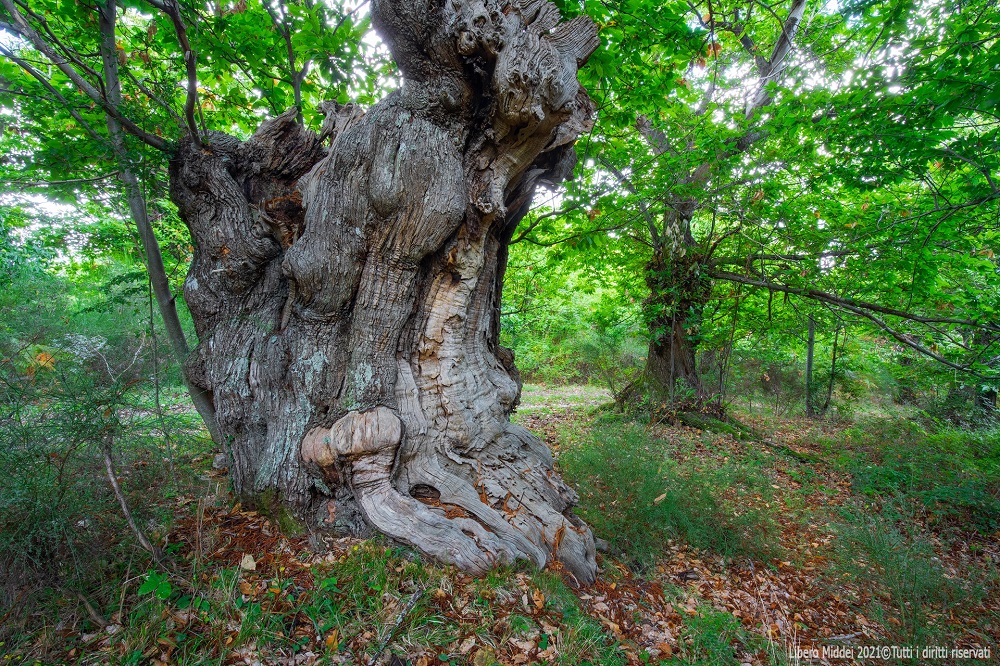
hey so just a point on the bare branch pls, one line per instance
(120, 496)
(191, 64)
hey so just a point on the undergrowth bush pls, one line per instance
(952, 474)
(77, 386)
(633, 494)
(910, 591)
(579, 353)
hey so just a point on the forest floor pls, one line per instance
(718, 551)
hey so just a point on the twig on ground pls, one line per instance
(94, 615)
(395, 626)
(109, 467)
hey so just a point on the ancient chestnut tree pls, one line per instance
(346, 287)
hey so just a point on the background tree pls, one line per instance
(802, 150)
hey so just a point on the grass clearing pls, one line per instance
(636, 494)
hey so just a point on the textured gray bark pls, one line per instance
(347, 295)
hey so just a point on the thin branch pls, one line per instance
(92, 612)
(191, 64)
(650, 222)
(71, 53)
(153, 96)
(25, 29)
(48, 86)
(572, 236)
(296, 75)
(343, 19)
(410, 604)
(68, 181)
(844, 302)
(534, 223)
(742, 261)
(113, 479)
(983, 170)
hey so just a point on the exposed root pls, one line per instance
(444, 515)
(362, 447)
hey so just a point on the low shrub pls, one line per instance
(910, 591)
(952, 473)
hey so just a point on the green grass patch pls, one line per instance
(908, 590)
(636, 496)
(584, 640)
(952, 474)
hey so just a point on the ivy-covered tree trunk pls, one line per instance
(346, 288)
(679, 289)
(678, 275)
(678, 296)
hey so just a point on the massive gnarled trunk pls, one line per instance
(346, 288)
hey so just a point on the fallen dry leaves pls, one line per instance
(787, 601)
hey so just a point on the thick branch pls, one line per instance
(779, 55)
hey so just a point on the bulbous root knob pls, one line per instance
(459, 524)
